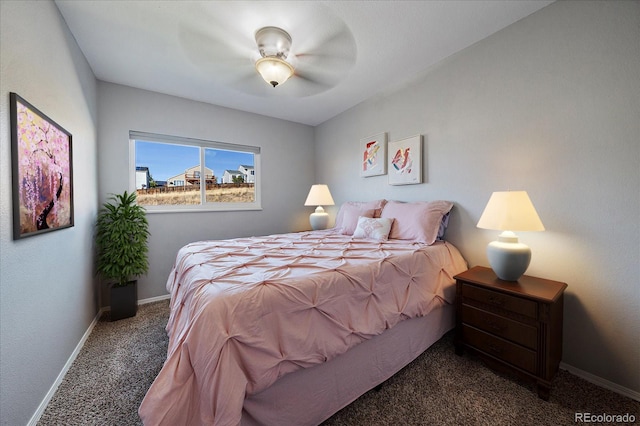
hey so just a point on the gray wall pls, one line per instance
(45, 304)
(286, 159)
(550, 105)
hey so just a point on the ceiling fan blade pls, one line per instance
(317, 77)
(325, 56)
(216, 47)
(339, 44)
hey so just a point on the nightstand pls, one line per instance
(513, 326)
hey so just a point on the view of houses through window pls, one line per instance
(172, 172)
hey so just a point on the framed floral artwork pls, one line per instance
(373, 155)
(41, 171)
(405, 161)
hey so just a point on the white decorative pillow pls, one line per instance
(377, 229)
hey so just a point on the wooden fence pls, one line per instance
(188, 188)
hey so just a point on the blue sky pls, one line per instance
(166, 160)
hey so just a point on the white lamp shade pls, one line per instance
(509, 211)
(319, 195)
(273, 70)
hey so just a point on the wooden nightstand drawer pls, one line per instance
(514, 331)
(496, 299)
(515, 325)
(510, 352)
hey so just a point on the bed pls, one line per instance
(290, 328)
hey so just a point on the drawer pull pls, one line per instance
(495, 326)
(497, 301)
(495, 349)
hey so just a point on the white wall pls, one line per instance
(286, 159)
(550, 105)
(45, 305)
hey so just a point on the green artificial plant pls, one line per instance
(121, 239)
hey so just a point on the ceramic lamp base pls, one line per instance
(508, 258)
(319, 219)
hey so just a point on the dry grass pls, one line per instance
(217, 195)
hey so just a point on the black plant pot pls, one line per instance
(124, 301)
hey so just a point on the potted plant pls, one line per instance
(122, 251)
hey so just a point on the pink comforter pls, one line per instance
(244, 312)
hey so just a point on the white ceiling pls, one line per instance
(204, 50)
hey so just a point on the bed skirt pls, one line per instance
(312, 395)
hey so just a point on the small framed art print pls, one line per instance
(373, 155)
(405, 161)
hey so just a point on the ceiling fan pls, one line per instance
(307, 46)
(274, 44)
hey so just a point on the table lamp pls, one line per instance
(509, 211)
(319, 195)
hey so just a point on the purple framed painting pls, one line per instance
(41, 171)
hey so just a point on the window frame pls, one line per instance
(202, 144)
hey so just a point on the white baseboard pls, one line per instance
(601, 382)
(36, 416)
(154, 299)
(43, 405)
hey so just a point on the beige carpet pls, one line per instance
(120, 359)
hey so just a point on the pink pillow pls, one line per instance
(362, 206)
(350, 217)
(376, 229)
(418, 221)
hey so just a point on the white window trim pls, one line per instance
(205, 207)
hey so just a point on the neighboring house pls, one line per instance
(248, 172)
(191, 176)
(228, 175)
(142, 177)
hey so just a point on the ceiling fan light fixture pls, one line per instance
(273, 70)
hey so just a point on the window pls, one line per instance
(172, 174)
